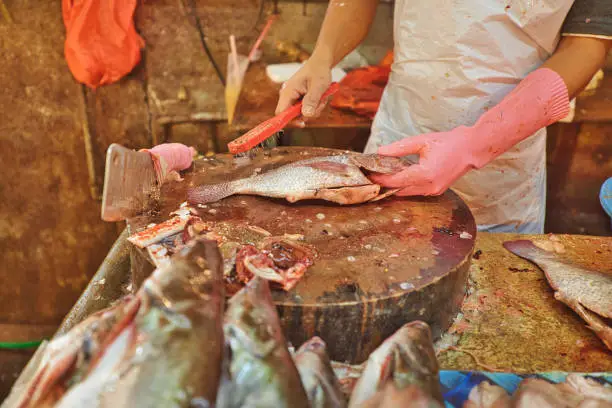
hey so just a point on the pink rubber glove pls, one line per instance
(538, 101)
(169, 159)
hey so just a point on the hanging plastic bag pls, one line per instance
(102, 44)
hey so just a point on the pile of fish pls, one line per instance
(247, 251)
(341, 179)
(173, 344)
(587, 292)
(176, 344)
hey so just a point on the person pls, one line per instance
(473, 85)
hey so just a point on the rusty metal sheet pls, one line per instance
(379, 264)
(511, 322)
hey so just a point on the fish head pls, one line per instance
(250, 317)
(416, 354)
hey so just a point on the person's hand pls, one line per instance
(311, 81)
(443, 158)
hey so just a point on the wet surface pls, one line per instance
(365, 251)
(378, 265)
(511, 320)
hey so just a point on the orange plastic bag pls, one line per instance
(102, 44)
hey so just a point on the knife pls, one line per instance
(130, 183)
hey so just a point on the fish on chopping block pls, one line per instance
(170, 353)
(260, 371)
(337, 179)
(575, 392)
(66, 359)
(587, 292)
(487, 395)
(320, 383)
(404, 359)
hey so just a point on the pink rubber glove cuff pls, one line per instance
(541, 99)
(538, 101)
(169, 159)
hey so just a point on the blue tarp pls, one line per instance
(456, 385)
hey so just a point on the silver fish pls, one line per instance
(170, 355)
(260, 372)
(338, 179)
(487, 395)
(587, 292)
(390, 396)
(406, 358)
(322, 387)
(66, 359)
(535, 392)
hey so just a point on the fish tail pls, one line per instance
(210, 193)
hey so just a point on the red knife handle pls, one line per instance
(266, 129)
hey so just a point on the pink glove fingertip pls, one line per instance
(177, 155)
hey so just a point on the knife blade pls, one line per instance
(130, 183)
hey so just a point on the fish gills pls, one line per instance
(406, 358)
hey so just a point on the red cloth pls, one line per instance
(361, 90)
(102, 44)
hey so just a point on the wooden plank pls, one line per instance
(579, 161)
(116, 113)
(51, 236)
(596, 105)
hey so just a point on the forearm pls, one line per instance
(577, 59)
(541, 99)
(345, 26)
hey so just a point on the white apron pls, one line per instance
(453, 60)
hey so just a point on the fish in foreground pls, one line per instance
(587, 292)
(168, 352)
(487, 395)
(69, 357)
(320, 383)
(575, 392)
(393, 397)
(260, 371)
(404, 359)
(338, 179)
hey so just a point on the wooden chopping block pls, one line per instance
(379, 264)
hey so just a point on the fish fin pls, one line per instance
(386, 194)
(348, 195)
(55, 370)
(595, 323)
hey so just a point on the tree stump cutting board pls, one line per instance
(379, 264)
